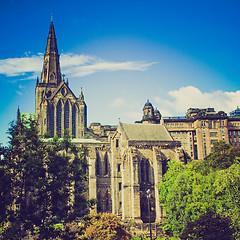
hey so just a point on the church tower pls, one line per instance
(57, 108)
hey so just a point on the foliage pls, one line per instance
(43, 183)
(208, 226)
(211, 185)
(103, 226)
(222, 155)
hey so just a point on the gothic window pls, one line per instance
(106, 164)
(106, 202)
(66, 115)
(52, 77)
(74, 121)
(145, 171)
(59, 118)
(50, 120)
(99, 202)
(97, 165)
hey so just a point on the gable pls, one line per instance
(63, 90)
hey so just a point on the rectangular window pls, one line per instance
(120, 186)
(119, 167)
(213, 134)
(224, 138)
(223, 130)
(210, 124)
(234, 133)
(235, 140)
(116, 143)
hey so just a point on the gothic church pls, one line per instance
(124, 162)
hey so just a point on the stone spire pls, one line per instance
(51, 73)
(18, 116)
(81, 97)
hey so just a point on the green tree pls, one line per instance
(47, 181)
(209, 226)
(227, 192)
(222, 156)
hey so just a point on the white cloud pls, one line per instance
(187, 97)
(72, 65)
(20, 66)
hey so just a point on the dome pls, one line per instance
(148, 104)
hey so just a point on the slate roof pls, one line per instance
(144, 132)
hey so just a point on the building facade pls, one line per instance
(124, 161)
(201, 128)
(57, 108)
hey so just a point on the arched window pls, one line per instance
(66, 115)
(99, 202)
(52, 77)
(59, 118)
(50, 120)
(106, 202)
(74, 110)
(97, 165)
(106, 164)
(145, 171)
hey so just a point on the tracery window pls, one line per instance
(50, 120)
(66, 115)
(97, 165)
(59, 118)
(145, 171)
(106, 164)
(74, 121)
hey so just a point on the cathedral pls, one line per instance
(57, 108)
(126, 164)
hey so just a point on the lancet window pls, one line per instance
(59, 118)
(66, 115)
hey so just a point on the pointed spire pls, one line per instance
(51, 72)
(18, 116)
(81, 97)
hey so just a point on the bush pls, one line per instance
(209, 226)
(103, 226)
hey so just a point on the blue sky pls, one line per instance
(178, 54)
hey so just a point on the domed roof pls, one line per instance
(148, 104)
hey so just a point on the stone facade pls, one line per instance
(201, 128)
(124, 161)
(57, 108)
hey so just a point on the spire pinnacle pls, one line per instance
(51, 68)
(18, 115)
(81, 97)
(51, 17)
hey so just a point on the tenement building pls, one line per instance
(200, 128)
(124, 161)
